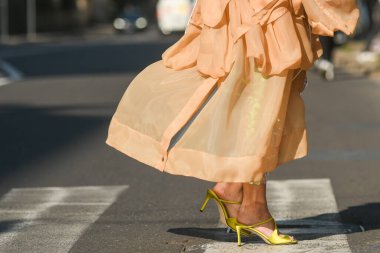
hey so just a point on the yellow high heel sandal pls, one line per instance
(229, 222)
(274, 239)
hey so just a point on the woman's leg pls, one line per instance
(230, 191)
(254, 208)
(254, 205)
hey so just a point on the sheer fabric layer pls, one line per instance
(224, 104)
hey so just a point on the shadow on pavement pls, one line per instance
(29, 133)
(347, 221)
(366, 215)
(8, 225)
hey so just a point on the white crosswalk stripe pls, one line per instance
(51, 219)
(8, 73)
(304, 208)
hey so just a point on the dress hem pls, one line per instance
(181, 161)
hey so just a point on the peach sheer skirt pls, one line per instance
(224, 104)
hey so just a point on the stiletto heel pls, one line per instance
(205, 202)
(224, 218)
(238, 231)
(274, 239)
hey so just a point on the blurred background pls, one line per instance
(54, 20)
(64, 65)
(76, 16)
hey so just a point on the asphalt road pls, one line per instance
(53, 125)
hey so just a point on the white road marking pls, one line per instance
(51, 219)
(12, 73)
(304, 208)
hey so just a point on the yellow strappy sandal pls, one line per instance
(274, 239)
(224, 218)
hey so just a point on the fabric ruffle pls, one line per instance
(224, 103)
(326, 17)
(278, 34)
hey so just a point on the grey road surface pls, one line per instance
(64, 190)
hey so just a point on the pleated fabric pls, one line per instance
(224, 103)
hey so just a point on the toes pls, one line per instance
(288, 236)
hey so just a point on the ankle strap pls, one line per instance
(222, 200)
(261, 223)
(229, 201)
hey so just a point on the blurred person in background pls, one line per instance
(372, 10)
(224, 103)
(325, 64)
(368, 30)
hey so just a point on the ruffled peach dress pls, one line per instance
(224, 103)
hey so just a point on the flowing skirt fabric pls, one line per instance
(224, 103)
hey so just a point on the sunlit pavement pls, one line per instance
(52, 132)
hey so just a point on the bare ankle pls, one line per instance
(229, 190)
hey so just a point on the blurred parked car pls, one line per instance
(130, 20)
(173, 15)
